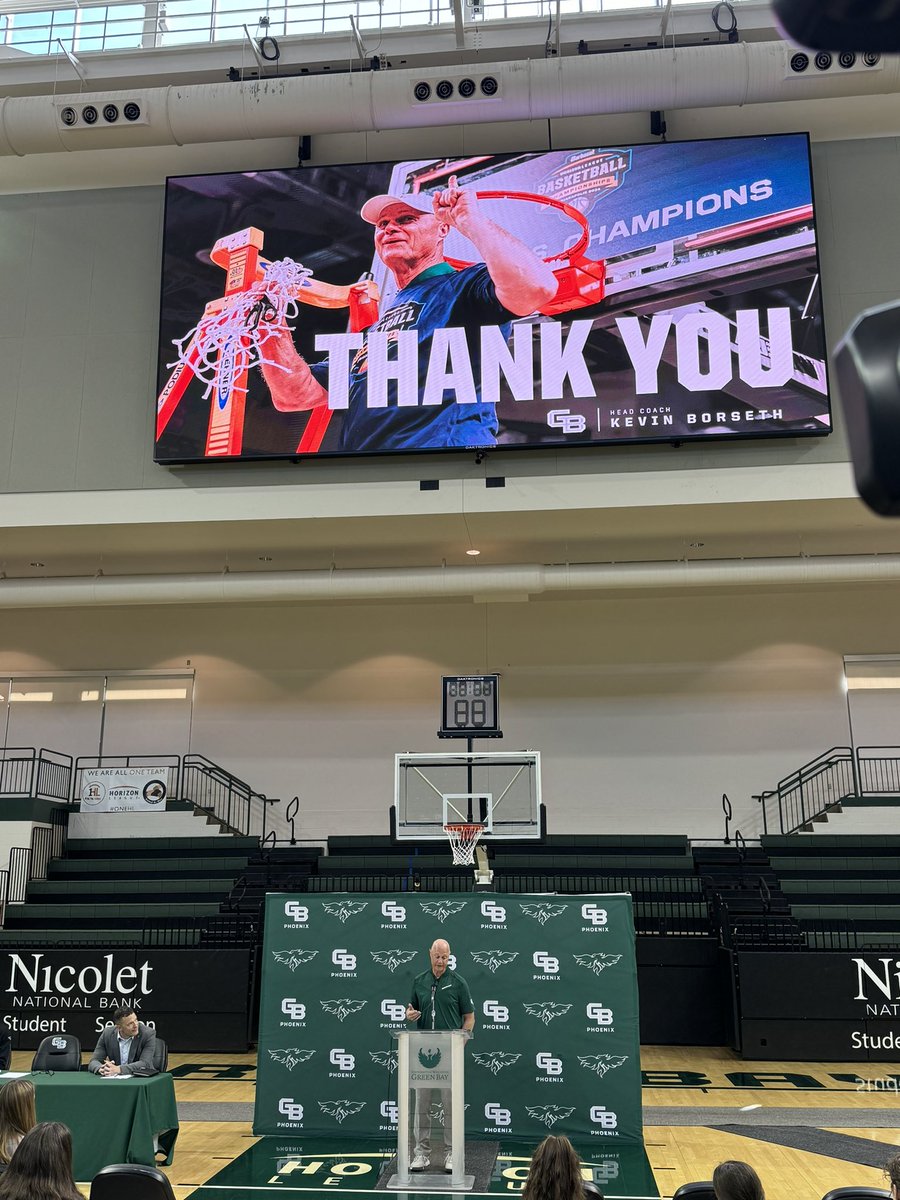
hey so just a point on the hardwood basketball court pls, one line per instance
(806, 1127)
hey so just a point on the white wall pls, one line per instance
(645, 709)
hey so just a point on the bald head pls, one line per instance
(440, 956)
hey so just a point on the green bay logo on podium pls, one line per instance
(554, 985)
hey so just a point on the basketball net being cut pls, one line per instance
(463, 839)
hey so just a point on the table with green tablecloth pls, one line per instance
(112, 1120)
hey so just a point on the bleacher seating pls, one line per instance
(112, 891)
(841, 890)
(657, 869)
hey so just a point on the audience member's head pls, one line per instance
(892, 1171)
(737, 1181)
(41, 1168)
(16, 1115)
(555, 1172)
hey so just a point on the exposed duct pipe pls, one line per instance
(450, 583)
(569, 86)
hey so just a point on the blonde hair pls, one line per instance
(17, 1115)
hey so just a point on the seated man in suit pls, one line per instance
(125, 1049)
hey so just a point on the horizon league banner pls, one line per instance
(554, 985)
(123, 789)
(692, 309)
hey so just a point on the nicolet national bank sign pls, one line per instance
(41, 989)
(878, 991)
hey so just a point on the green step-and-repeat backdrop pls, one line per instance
(554, 984)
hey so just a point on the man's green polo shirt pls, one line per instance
(452, 1000)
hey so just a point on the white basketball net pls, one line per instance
(225, 343)
(463, 840)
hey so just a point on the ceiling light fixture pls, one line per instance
(473, 553)
(146, 693)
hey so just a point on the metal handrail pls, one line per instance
(819, 786)
(31, 774)
(213, 790)
(164, 24)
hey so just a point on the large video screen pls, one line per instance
(566, 298)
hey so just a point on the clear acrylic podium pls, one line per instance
(431, 1060)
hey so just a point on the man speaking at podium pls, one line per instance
(440, 1000)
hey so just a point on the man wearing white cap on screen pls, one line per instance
(404, 392)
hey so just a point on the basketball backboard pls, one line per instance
(500, 791)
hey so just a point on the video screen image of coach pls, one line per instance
(590, 296)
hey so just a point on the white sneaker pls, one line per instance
(419, 1162)
(448, 1163)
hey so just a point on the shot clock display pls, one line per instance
(469, 706)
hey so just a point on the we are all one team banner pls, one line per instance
(554, 985)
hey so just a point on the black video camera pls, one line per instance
(861, 25)
(867, 359)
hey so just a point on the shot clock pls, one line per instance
(469, 706)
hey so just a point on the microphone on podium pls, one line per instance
(433, 990)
